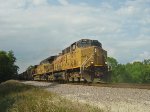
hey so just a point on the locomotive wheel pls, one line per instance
(79, 79)
(72, 80)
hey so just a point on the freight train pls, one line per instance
(84, 60)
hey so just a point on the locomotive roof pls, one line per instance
(87, 40)
(48, 60)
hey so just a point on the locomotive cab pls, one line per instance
(93, 60)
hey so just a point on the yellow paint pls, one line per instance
(75, 59)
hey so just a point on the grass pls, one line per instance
(18, 97)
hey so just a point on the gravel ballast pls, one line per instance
(107, 98)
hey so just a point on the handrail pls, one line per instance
(87, 61)
(84, 63)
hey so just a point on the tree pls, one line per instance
(136, 72)
(146, 71)
(8, 69)
(112, 62)
(120, 73)
(146, 61)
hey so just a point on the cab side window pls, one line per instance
(73, 47)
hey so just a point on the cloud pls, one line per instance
(63, 2)
(39, 2)
(145, 55)
(36, 29)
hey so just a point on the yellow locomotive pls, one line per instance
(82, 60)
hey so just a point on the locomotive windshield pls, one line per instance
(96, 43)
(84, 43)
(87, 43)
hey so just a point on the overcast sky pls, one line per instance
(36, 29)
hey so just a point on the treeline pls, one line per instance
(136, 72)
(8, 69)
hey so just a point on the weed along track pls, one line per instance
(121, 98)
(18, 97)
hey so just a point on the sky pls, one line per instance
(37, 29)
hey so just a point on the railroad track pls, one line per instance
(112, 85)
(121, 85)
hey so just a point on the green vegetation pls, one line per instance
(8, 69)
(136, 72)
(18, 97)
